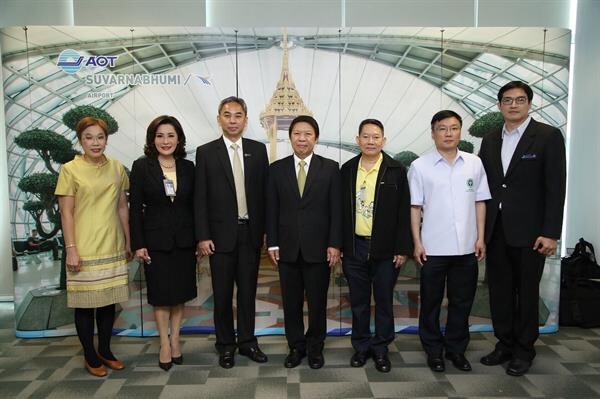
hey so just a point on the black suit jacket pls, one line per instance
(533, 191)
(216, 210)
(156, 222)
(390, 232)
(307, 224)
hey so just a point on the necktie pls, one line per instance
(238, 178)
(301, 177)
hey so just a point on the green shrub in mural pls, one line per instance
(486, 123)
(406, 157)
(466, 146)
(72, 117)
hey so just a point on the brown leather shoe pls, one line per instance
(99, 371)
(113, 364)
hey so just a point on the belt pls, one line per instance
(243, 221)
(365, 238)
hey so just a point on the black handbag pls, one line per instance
(580, 288)
(581, 263)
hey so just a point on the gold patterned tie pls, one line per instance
(238, 178)
(301, 177)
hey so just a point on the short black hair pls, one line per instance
(233, 99)
(150, 148)
(371, 121)
(516, 84)
(446, 113)
(307, 119)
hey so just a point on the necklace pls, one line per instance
(167, 166)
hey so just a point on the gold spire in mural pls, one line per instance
(284, 106)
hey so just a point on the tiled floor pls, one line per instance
(567, 365)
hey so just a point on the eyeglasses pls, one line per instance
(445, 129)
(509, 100)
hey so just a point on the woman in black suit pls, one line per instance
(162, 229)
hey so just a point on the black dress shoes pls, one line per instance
(294, 358)
(227, 360)
(459, 361)
(496, 357)
(359, 359)
(165, 366)
(316, 361)
(382, 362)
(518, 367)
(436, 363)
(254, 354)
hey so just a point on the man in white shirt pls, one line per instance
(448, 188)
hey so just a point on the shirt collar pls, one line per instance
(437, 157)
(374, 168)
(518, 131)
(228, 143)
(306, 160)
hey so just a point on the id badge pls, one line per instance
(169, 187)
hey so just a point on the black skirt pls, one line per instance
(171, 277)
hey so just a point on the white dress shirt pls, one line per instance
(297, 163)
(510, 141)
(447, 194)
(230, 151)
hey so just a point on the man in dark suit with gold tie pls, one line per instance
(304, 237)
(231, 174)
(526, 170)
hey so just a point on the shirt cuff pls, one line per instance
(273, 249)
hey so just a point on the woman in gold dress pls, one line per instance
(95, 223)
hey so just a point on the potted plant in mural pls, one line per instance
(486, 123)
(54, 150)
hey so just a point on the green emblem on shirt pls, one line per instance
(469, 184)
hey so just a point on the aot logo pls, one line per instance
(71, 61)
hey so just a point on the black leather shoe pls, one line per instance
(495, 358)
(316, 361)
(227, 360)
(518, 367)
(436, 363)
(359, 359)
(382, 362)
(254, 354)
(177, 360)
(294, 358)
(459, 361)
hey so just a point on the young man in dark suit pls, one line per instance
(304, 237)
(526, 170)
(377, 241)
(231, 174)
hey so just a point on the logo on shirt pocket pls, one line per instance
(470, 185)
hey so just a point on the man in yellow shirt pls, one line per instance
(377, 241)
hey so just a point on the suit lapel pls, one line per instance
(291, 178)
(223, 155)
(179, 176)
(524, 143)
(155, 171)
(496, 153)
(313, 170)
(248, 160)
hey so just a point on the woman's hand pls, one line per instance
(142, 253)
(73, 260)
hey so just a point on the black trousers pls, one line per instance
(240, 267)
(458, 274)
(362, 273)
(48, 246)
(296, 279)
(514, 275)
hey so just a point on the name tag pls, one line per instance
(169, 187)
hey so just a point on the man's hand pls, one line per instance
(333, 256)
(274, 256)
(142, 253)
(399, 260)
(205, 248)
(545, 246)
(480, 249)
(419, 254)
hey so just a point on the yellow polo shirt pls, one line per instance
(366, 182)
